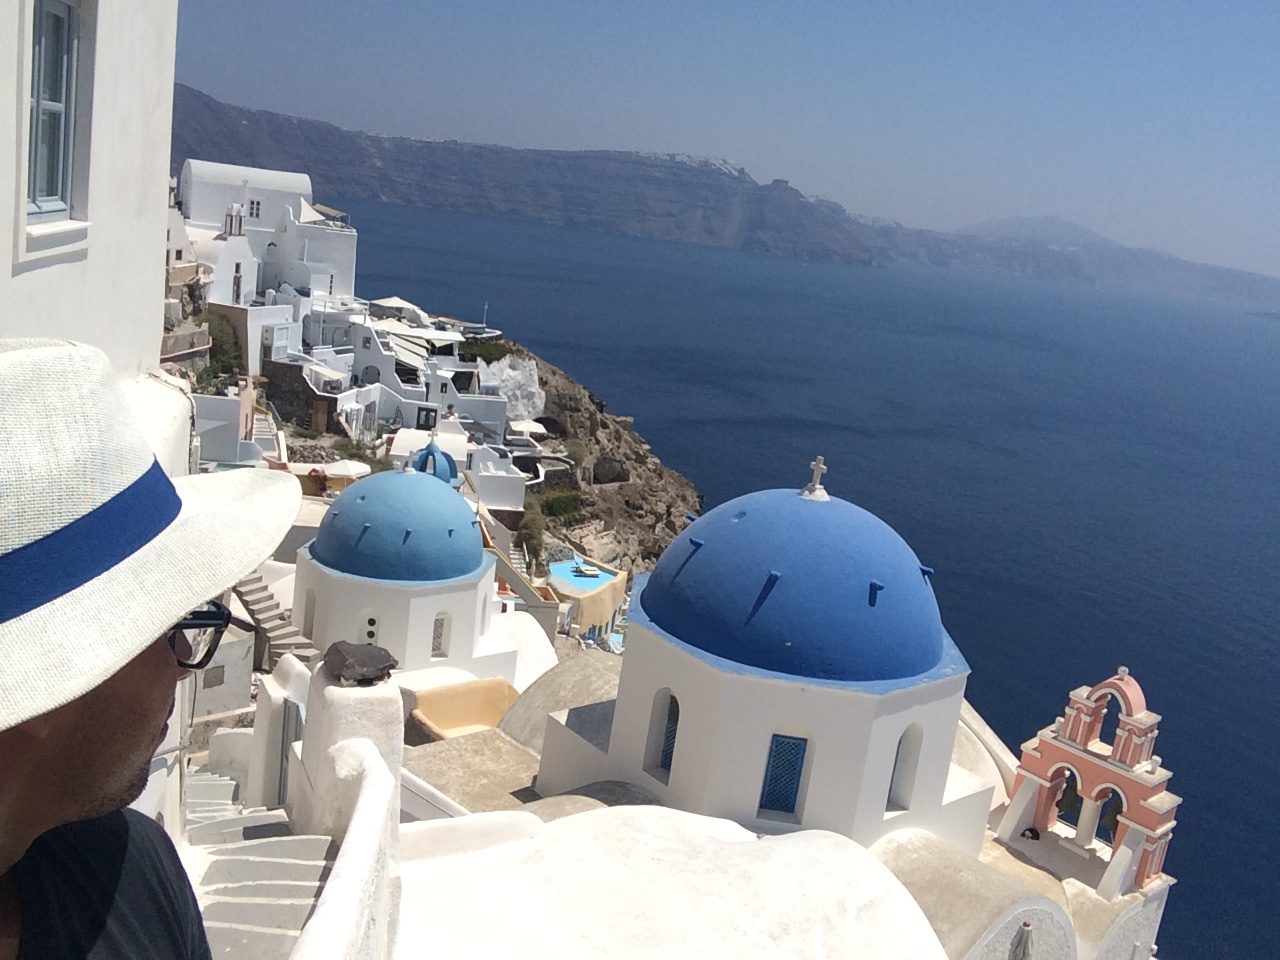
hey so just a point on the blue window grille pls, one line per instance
(669, 735)
(782, 775)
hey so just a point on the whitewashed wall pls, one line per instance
(728, 719)
(99, 279)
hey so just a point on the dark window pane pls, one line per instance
(49, 156)
(55, 58)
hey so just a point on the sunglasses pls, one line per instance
(194, 639)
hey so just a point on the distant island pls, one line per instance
(675, 197)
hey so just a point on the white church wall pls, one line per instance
(727, 721)
(329, 606)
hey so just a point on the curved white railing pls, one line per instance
(357, 914)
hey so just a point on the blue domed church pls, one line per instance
(399, 561)
(786, 667)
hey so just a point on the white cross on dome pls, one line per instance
(815, 490)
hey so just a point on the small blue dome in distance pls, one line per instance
(400, 526)
(814, 588)
(431, 459)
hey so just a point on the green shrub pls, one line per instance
(575, 450)
(490, 351)
(224, 348)
(561, 503)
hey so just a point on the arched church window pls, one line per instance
(440, 636)
(309, 614)
(902, 781)
(664, 726)
(782, 774)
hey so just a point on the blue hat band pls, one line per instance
(68, 558)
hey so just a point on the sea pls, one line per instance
(1094, 477)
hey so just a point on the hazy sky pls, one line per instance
(1154, 123)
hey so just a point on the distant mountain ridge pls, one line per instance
(671, 197)
(1051, 231)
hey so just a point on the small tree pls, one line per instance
(533, 526)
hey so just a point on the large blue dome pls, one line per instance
(812, 588)
(400, 526)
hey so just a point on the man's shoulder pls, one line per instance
(126, 833)
(90, 887)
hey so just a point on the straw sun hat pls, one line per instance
(100, 552)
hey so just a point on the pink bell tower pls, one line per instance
(1124, 771)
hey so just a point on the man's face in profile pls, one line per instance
(96, 751)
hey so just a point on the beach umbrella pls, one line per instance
(346, 468)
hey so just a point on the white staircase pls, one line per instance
(275, 625)
(256, 881)
(264, 434)
(515, 553)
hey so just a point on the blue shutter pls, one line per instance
(669, 737)
(782, 775)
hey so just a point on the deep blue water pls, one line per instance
(1095, 478)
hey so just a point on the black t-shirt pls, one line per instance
(111, 888)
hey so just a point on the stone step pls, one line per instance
(305, 846)
(275, 914)
(203, 816)
(261, 610)
(207, 808)
(231, 940)
(269, 888)
(246, 826)
(280, 629)
(224, 790)
(238, 870)
(252, 582)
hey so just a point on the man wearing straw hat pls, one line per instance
(109, 579)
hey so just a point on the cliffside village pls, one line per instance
(416, 737)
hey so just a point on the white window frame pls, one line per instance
(52, 206)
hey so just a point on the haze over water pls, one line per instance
(1093, 477)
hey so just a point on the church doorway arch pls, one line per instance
(664, 728)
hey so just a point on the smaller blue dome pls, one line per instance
(400, 526)
(431, 459)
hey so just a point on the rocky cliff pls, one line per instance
(668, 197)
(630, 506)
